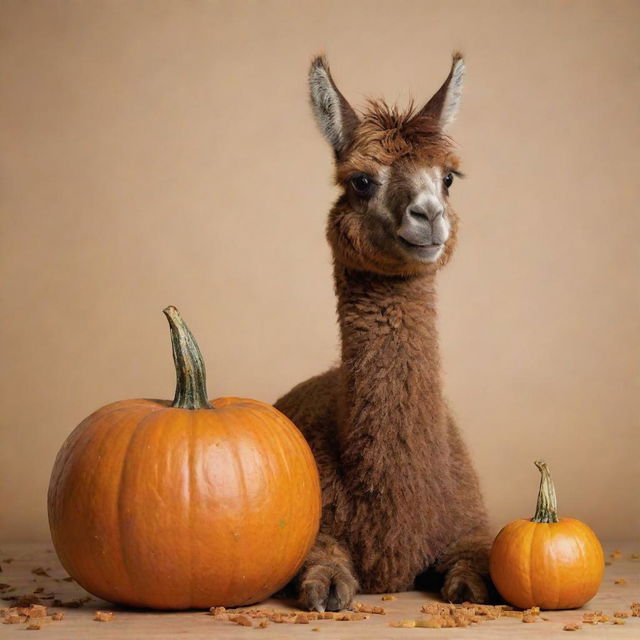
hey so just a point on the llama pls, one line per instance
(401, 499)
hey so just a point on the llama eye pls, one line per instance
(448, 180)
(363, 185)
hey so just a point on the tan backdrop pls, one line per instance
(158, 152)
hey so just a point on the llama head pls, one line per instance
(394, 168)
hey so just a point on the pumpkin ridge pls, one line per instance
(98, 434)
(549, 566)
(120, 506)
(104, 436)
(239, 478)
(530, 542)
(259, 413)
(580, 529)
(294, 437)
(577, 544)
(85, 436)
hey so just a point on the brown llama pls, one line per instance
(401, 499)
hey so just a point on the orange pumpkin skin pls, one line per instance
(170, 508)
(551, 565)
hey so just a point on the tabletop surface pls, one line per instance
(27, 568)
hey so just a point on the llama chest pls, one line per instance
(393, 534)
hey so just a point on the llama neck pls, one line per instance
(390, 406)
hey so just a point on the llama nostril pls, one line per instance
(419, 213)
(426, 213)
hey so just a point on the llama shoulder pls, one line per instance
(311, 405)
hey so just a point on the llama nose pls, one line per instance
(428, 211)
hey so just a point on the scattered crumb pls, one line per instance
(434, 622)
(404, 624)
(616, 553)
(621, 614)
(57, 616)
(618, 621)
(363, 608)
(38, 590)
(37, 611)
(242, 620)
(39, 571)
(103, 616)
(34, 626)
(388, 597)
(67, 579)
(635, 556)
(449, 615)
(620, 581)
(348, 617)
(263, 624)
(595, 617)
(572, 627)
(607, 563)
(315, 629)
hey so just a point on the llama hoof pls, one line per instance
(332, 591)
(464, 585)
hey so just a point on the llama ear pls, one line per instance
(444, 104)
(334, 115)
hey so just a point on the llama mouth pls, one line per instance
(429, 251)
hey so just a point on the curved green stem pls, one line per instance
(191, 379)
(547, 507)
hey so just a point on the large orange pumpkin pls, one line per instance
(547, 562)
(187, 504)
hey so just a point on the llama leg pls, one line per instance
(465, 565)
(326, 581)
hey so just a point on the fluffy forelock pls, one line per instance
(387, 133)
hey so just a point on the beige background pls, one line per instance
(163, 152)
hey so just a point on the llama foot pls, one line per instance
(327, 588)
(464, 584)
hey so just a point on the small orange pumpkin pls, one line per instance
(187, 504)
(547, 562)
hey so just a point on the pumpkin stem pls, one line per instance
(547, 507)
(191, 382)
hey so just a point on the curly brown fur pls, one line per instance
(400, 495)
